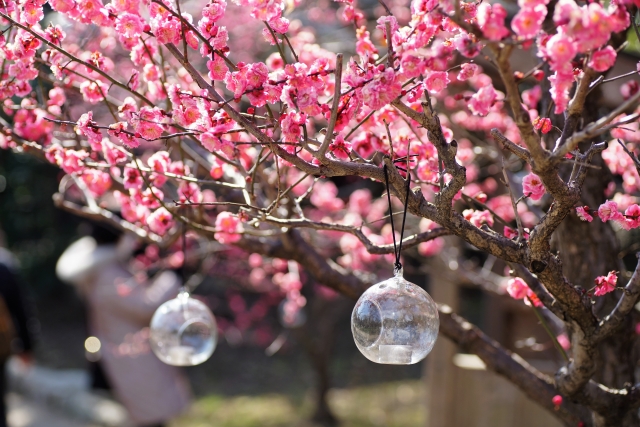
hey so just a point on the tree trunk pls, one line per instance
(593, 254)
(317, 337)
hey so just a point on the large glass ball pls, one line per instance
(183, 332)
(395, 322)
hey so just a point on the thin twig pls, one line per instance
(513, 204)
(328, 138)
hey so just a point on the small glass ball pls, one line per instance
(395, 322)
(183, 332)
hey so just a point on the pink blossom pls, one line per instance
(160, 221)
(491, 20)
(532, 96)
(56, 96)
(560, 85)
(72, 161)
(436, 81)
(189, 192)
(607, 284)
(214, 10)
(217, 68)
(510, 233)
(478, 218)
(609, 211)
(32, 12)
(167, 30)
(467, 70)
(217, 169)
(583, 213)
(229, 227)
(149, 198)
(148, 123)
(159, 162)
(543, 124)
(360, 201)
(528, 21)
(132, 178)
(291, 123)
(482, 101)
(93, 92)
(557, 401)
(533, 187)
(393, 24)
(112, 153)
(340, 148)
(63, 6)
(98, 182)
(130, 6)
(364, 45)
(129, 25)
(55, 34)
(87, 127)
(325, 196)
(217, 145)
(532, 299)
(383, 89)
(561, 49)
(603, 59)
(632, 216)
(564, 342)
(431, 247)
(517, 288)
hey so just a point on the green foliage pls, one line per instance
(395, 404)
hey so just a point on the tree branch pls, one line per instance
(328, 138)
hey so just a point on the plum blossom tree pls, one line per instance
(158, 106)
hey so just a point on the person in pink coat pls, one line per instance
(120, 308)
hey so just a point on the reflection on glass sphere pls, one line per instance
(395, 322)
(183, 332)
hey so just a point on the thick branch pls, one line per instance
(446, 153)
(541, 292)
(537, 386)
(520, 114)
(511, 366)
(520, 152)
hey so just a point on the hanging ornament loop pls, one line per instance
(395, 322)
(397, 249)
(183, 331)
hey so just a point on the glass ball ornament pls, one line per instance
(395, 322)
(183, 331)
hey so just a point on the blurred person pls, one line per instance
(120, 307)
(18, 323)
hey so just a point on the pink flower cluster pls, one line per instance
(608, 211)
(229, 228)
(529, 19)
(518, 289)
(581, 29)
(533, 187)
(606, 284)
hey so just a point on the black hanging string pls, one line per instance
(183, 267)
(397, 249)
